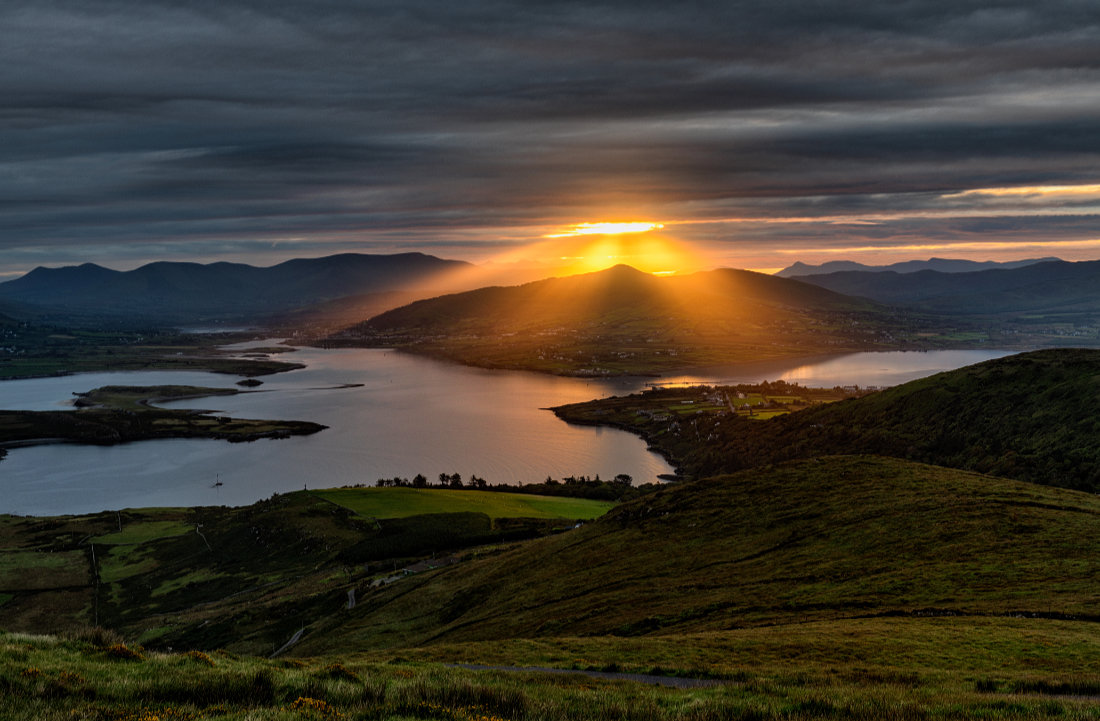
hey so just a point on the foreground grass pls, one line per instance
(46, 678)
(404, 502)
(1007, 651)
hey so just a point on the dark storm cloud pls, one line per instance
(416, 122)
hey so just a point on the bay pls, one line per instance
(389, 414)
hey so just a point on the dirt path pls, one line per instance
(670, 681)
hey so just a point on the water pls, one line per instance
(409, 415)
(868, 369)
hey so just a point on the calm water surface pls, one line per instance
(410, 415)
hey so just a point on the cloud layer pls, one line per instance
(261, 130)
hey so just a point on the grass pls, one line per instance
(404, 502)
(124, 561)
(51, 678)
(36, 570)
(1018, 648)
(143, 532)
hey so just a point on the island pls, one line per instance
(120, 414)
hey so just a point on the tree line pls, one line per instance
(621, 487)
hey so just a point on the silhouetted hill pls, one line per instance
(622, 319)
(941, 265)
(192, 292)
(1030, 417)
(837, 537)
(1055, 286)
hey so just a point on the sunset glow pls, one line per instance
(606, 229)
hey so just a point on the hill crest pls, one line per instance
(623, 320)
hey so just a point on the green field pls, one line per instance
(145, 531)
(403, 502)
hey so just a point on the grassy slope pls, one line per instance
(402, 502)
(817, 540)
(1030, 416)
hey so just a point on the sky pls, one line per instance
(759, 133)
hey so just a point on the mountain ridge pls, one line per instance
(942, 265)
(1056, 286)
(182, 292)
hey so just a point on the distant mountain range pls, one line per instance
(940, 265)
(169, 292)
(1048, 287)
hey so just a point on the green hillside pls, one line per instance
(824, 539)
(248, 578)
(1030, 416)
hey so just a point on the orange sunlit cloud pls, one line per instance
(606, 229)
(1032, 190)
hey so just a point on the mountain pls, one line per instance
(833, 538)
(1048, 287)
(623, 320)
(940, 265)
(191, 292)
(1030, 416)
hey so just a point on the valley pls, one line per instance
(921, 551)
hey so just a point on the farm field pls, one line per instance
(404, 502)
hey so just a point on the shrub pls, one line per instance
(340, 672)
(200, 657)
(95, 636)
(314, 706)
(124, 653)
